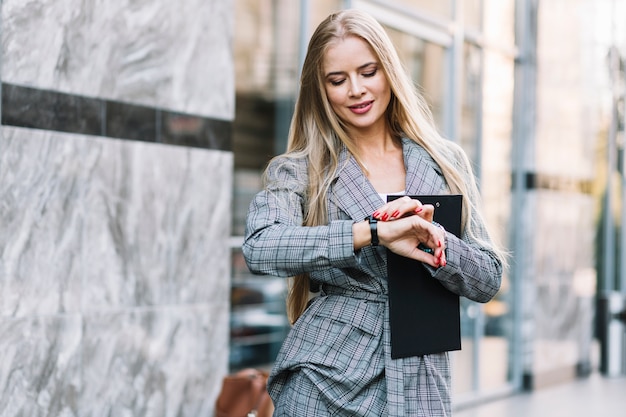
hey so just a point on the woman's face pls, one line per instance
(356, 85)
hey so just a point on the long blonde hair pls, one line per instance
(317, 134)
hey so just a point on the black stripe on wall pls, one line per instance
(52, 110)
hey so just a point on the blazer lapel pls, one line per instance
(352, 192)
(423, 175)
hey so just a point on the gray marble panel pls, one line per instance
(41, 190)
(164, 362)
(98, 223)
(167, 54)
(40, 366)
(158, 225)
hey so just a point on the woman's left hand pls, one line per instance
(404, 206)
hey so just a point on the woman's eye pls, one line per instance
(370, 73)
(336, 82)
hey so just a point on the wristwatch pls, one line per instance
(373, 229)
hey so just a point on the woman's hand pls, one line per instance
(406, 223)
(404, 206)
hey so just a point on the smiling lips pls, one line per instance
(361, 107)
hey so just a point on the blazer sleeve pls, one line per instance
(473, 268)
(275, 241)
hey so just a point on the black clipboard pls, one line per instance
(424, 316)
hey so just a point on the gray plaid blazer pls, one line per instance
(336, 359)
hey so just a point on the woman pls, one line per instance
(360, 131)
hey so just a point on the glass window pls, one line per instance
(472, 14)
(425, 63)
(319, 10)
(266, 67)
(484, 363)
(439, 8)
(495, 182)
(258, 320)
(471, 107)
(266, 46)
(499, 22)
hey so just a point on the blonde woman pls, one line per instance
(361, 131)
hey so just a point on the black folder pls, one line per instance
(424, 316)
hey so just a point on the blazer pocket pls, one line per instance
(335, 335)
(364, 315)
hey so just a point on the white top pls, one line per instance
(383, 196)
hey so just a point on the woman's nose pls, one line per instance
(356, 88)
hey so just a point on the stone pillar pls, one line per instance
(115, 201)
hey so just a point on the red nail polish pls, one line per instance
(419, 209)
(376, 213)
(439, 243)
(395, 213)
(385, 217)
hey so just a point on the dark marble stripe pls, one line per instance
(130, 121)
(52, 110)
(47, 110)
(183, 129)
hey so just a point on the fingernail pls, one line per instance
(395, 213)
(385, 217)
(443, 263)
(439, 243)
(376, 213)
(419, 209)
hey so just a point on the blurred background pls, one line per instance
(134, 135)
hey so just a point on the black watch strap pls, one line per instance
(373, 229)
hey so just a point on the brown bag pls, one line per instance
(244, 394)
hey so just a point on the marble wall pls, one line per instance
(115, 206)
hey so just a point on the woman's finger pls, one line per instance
(426, 212)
